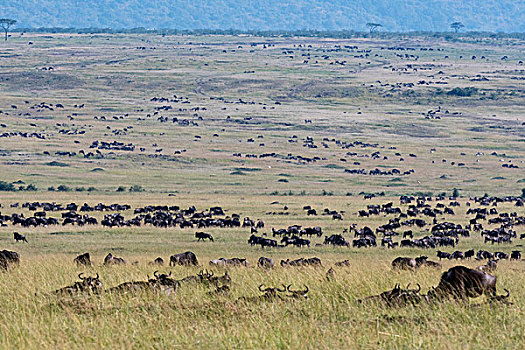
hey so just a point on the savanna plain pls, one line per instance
(261, 127)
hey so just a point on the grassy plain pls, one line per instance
(116, 76)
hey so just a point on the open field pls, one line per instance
(255, 124)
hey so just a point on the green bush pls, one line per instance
(4, 186)
(63, 188)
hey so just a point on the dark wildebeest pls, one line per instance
(395, 297)
(202, 236)
(18, 237)
(460, 283)
(187, 258)
(457, 255)
(265, 262)
(87, 284)
(469, 254)
(110, 260)
(8, 258)
(83, 259)
(515, 255)
(443, 255)
(404, 263)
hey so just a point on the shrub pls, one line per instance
(463, 92)
(63, 188)
(4, 186)
(136, 188)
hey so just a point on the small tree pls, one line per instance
(523, 193)
(455, 193)
(373, 27)
(457, 26)
(5, 23)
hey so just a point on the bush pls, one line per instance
(31, 187)
(51, 188)
(136, 188)
(91, 189)
(523, 193)
(80, 189)
(63, 188)
(455, 193)
(4, 186)
(121, 189)
(463, 92)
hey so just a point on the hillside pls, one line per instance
(394, 15)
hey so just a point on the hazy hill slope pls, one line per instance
(395, 15)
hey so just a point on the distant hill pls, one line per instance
(394, 15)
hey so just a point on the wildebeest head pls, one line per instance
(271, 292)
(298, 294)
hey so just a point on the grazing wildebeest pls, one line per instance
(469, 254)
(443, 255)
(265, 262)
(404, 263)
(460, 283)
(202, 236)
(87, 284)
(113, 260)
(515, 255)
(8, 258)
(187, 258)
(501, 255)
(83, 259)
(18, 237)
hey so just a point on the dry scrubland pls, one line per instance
(116, 76)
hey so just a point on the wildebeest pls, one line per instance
(110, 260)
(158, 261)
(422, 261)
(8, 258)
(187, 258)
(83, 259)
(490, 266)
(161, 283)
(460, 283)
(345, 263)
(87, 284)
(395, 297)
(469, 254)
(265, 262)
(18, 237)
(302, 262)
(203, 235)
(297, 294)
(404, 263)
(229, 262)
(443, 255)
(515, 255)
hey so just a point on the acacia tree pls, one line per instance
(5, 23)
(373, 26)
(457, 26)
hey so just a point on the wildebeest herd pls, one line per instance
(457, 283)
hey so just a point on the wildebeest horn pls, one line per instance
(408, 285)
(155, 274)
(306, 290)
(508, 293)
(169, 274)
(418, 288)
(210, 274)
(97, 276)
(80, 276)
(260, 288)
